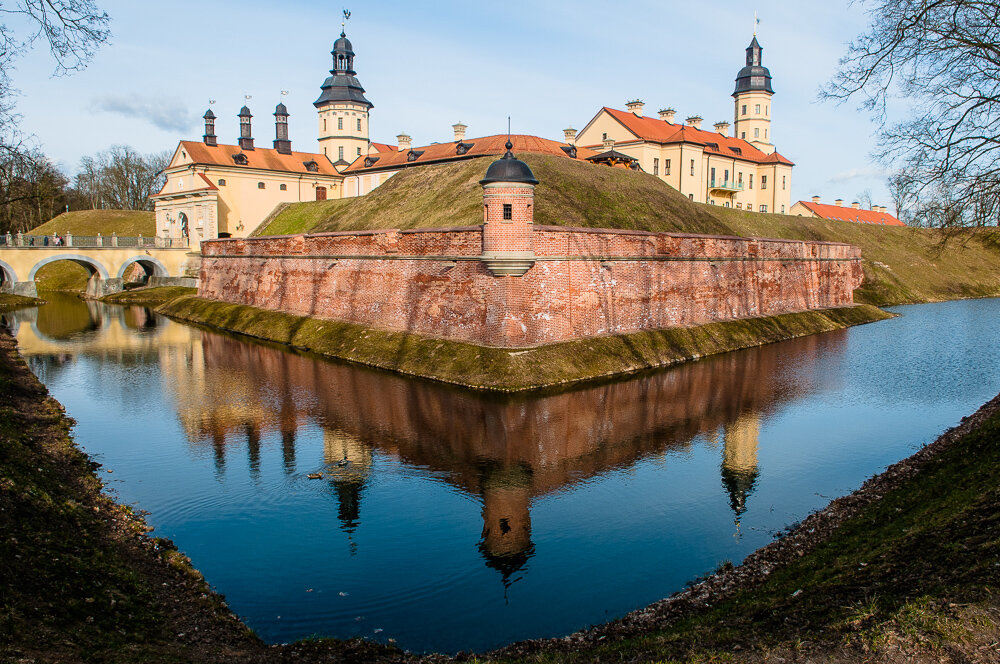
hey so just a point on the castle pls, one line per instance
(214, 190)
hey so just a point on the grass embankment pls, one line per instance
(902, 265)
(905, 569)
(67, 276)
(9, 302)
(498, 369)
(157, 296)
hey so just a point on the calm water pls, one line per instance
(449, 521)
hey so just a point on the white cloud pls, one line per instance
(867, 173)
(166, 114)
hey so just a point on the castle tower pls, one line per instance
(343, 109)
(209, 138)
(753, 100)
(508, 216)
(281, 141)
(246, 133)
(506, 541)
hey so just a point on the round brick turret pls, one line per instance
(508, 216)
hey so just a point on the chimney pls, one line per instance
(722, 127)
(281, 142)
(815, 199)
(570, 135)
(856, 205)
(246, 141)
(839, 202)
(209, 137)
(405, 142)
(609, 144)
(694, 121)
(459, 131)
(667, 115)
(635, 106)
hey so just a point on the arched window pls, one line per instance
(283, 187)
(260, 185)
(222, 183)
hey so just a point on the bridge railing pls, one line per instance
(92, 241)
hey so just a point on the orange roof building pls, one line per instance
(741, 169)
(839, 212)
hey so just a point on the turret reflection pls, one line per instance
(505, 452)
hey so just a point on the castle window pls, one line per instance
(739, 206)
(782, 209)
(744, 109)
(743, 135)
(738, 151)
(739, 178)
(604, 136)
(726, 180)
(340, 123)
(508, 212)
(763, 208)
(713, 177)
(763, 182)
(359, 151)
(692, 167)
(765, 134)
(240, 159)
(283, 187)
(751, 182)
(783, 182)
(691, 197)
(666, 167)
(727, 204)
(222, 183)
(312, 166)
(749, 207)
(656, 166)
(340, 153)
(260, 185)
(359, 124)
(756, 132)
(757, 109)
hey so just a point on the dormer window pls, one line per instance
(311, 166)
(737, 150)
(570, 151)
(413, 155)
(370, 161)
(462, 147)
(712, 146)
(240, 159)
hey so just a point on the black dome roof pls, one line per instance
(281, 109)
(509, 168)
(343, 45)
(754, 76)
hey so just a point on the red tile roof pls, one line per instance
(479, 147)
(859, 216)
(208, 187)
(383, 147)
(263, 158)
(661, 131)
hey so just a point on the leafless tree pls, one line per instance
(121, 178)
(865, 199)
(943, 57)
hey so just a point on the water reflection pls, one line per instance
(507, 453)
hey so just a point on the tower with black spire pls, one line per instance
(281, 141)
(753, 100)
(343, 109)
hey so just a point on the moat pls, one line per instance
(446, 520)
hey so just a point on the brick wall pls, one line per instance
(584, 282)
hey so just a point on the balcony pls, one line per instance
(725, 186)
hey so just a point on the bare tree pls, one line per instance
(943, 56)
(121, 178)
(865, 199)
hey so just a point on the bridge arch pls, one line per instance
(151, 265)
(7, 273)
(92, 265)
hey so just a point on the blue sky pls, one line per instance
(427, 65)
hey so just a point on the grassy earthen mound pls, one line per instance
(901, 265)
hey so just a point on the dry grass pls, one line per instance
(91, 222)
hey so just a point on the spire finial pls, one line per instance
(509, 145)
(756, 22)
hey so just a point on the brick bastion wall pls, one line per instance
(581, 283)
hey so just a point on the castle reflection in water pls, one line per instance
(231, 395)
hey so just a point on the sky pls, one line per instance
(426, 65)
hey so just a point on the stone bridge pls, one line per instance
(105, 258)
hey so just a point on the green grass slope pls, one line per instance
(901, 264)
(91, 222)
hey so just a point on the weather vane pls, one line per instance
(284, 92)
(247, 97)
(211, 102)
(347, 15)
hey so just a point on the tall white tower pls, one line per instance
(753, 101)
(343, 109)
